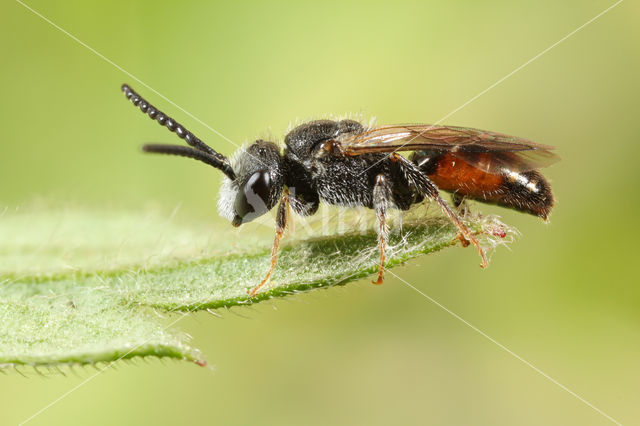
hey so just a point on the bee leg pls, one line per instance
(381, 196)
(281, 224)
(421, 183)
(459, 202)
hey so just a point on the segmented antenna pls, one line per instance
(182, 151)
(200, 151)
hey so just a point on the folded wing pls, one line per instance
(507, 152)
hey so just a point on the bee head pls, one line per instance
(254, 178)
(257, 186)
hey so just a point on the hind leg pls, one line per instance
(459, 202)
(421, 183)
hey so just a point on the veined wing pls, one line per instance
(506, 152)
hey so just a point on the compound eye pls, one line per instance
(253, 197)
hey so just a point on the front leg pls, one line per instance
(421, 183)
(381, 198)
(281, 224)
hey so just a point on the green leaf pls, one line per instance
(83, 287)
(65, 322)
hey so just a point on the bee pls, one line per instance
(344, 163)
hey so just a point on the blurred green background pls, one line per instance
(565, 297)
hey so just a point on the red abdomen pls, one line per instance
(455, 175)
(525, 191)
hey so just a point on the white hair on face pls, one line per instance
(226, 198)
(228, 188)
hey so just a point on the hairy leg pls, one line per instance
(381, 199)
(281, 224)
(459, 202)
(426, 188)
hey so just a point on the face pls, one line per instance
(258, 185)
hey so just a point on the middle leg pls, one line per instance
(381, 200)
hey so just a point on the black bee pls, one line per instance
(346, 164)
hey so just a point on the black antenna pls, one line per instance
(200, 151)
(183, 151)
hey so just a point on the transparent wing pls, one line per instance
(507, 152)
